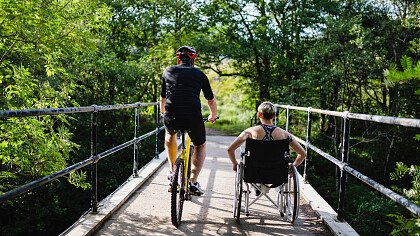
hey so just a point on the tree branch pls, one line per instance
(4, 54)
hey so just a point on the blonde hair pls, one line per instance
(267, 109)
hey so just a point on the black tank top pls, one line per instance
(268, 133)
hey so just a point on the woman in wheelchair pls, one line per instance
(266, 131)
(276, 152)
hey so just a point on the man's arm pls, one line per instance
(162, 104)
(213, 110)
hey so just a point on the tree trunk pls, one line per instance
(388, 156)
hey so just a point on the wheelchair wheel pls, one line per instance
(177, 192)
(238, 193)
(292, 195)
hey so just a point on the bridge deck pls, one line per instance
(147, 212)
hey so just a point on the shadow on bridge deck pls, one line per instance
(147, 211)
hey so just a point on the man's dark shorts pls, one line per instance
(193, 124)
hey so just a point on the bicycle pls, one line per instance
(181, 177)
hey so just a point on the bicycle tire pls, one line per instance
(187, 188)
(177, 193)
(189, 162)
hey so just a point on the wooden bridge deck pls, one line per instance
(148, 211)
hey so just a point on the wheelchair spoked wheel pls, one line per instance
(292, 195)
(238, 193)
(281, 202)
(177, 192)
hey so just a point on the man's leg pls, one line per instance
(171, 148)
(197, 161)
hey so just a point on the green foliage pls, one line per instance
(325, 54)
(78, 179)
(368, 208)
(409, 71)
(31, 147)
(404, 225)
(263, 41)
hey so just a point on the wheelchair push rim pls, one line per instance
(238, 193)
(292, 195)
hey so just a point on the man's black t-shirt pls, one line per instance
(181, 86)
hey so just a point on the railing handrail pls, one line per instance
(70, 110)
(408, 122)
(94, 158)
(343, 165)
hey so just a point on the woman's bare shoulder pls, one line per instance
(280, 133)
(253, 132)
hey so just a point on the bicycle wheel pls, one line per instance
(292, 195)
(188, 170)
(177, 192)
(189, 162)
(238, 192)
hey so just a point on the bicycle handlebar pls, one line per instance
(207, 119)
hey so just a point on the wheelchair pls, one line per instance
(265, 165)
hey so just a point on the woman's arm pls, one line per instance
(301, 154)
(235, 145)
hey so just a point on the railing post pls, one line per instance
(287, 118)
(136, 153)
(276, 121)
(157, 133)
(343, 173)
(94, 166)
(308, 139)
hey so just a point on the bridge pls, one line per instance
(147, 212)
(140, 206)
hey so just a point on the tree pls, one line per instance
(40, 43)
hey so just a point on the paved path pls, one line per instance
(147, 212)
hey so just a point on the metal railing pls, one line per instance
(94, 156)
(344, 152)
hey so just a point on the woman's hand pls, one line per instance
(235, 167)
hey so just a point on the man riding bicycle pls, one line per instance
(180, 104)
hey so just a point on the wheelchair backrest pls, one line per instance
(266, 161)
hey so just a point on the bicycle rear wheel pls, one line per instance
(177, 192)
(187, 196)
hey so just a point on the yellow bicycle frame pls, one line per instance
(185, 153)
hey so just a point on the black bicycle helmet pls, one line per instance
(186, 54)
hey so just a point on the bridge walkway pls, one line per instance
(147, 212)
